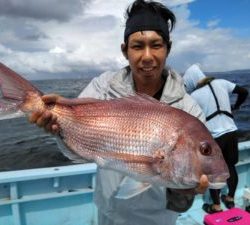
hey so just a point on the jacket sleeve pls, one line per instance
(98, 86)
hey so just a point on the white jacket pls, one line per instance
(221, 123)
(149, 207)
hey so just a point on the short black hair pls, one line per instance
(156, 7)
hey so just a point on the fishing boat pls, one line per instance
(64, 195)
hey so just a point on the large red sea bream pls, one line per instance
(137, 135)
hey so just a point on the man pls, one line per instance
(213, 97)
(146, 47)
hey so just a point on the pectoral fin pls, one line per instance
(130, 188)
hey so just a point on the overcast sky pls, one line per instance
(66, 38)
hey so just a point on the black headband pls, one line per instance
(146, 19)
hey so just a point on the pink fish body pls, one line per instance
(137, 135)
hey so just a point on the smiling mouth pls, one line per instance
(147, 69)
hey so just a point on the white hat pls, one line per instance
(192, 76)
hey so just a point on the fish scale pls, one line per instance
(117, 139)
(134, 129)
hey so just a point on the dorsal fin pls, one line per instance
(135, 99)
(77, 101)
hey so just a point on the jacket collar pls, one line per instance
(173, 91)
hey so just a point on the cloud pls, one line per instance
(213, 23)
(79, 36)
(61, 10)
(216, 49)
(172, 3)
(87, 40)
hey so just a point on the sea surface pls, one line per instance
(24, 145)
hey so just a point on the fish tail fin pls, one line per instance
(14, 89)
(8, 107)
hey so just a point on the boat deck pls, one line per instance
(64, 195)
(195, 215)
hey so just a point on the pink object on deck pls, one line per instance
(234, 216)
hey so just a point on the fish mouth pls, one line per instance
(217, 182)
(217, 185)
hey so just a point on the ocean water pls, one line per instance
(24, 145)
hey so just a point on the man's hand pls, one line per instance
(203, 185)
(46, 119)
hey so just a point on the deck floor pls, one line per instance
(195, 215)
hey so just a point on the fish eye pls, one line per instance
(205, 149)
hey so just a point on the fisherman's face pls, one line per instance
(146, 53)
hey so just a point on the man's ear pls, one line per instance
(124, 50)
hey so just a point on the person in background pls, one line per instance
(213, 96)
(146, 46)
